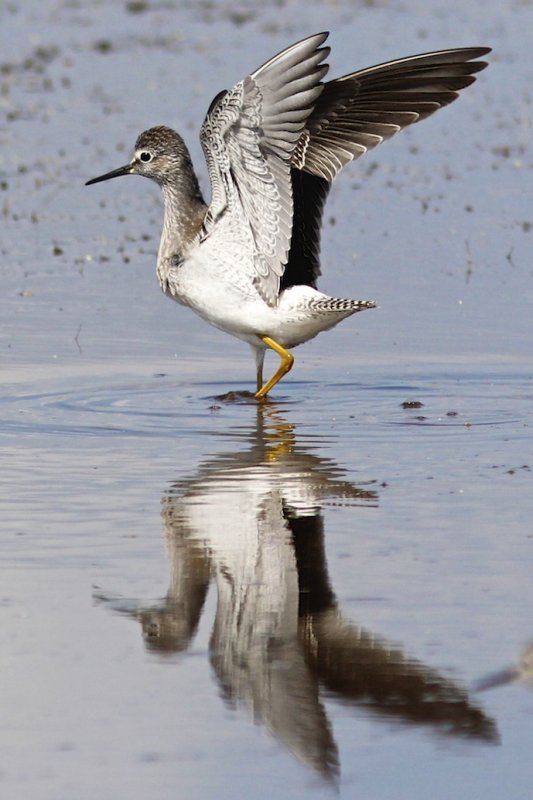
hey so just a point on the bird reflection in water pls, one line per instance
(252, 521)
(521, 672)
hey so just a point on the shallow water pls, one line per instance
(337, 570)
(202, 597)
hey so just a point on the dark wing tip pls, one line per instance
(477, 52)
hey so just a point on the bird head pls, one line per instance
(160, 154)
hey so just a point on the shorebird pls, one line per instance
(248, 262)
(521, 672)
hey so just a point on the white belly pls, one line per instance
(218, 282)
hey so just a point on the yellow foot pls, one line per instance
(287, 360)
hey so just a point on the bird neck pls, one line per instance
(185, 211)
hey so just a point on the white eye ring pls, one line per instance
(145, 156)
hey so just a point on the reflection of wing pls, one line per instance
(248, 137)
(370, 672)
(366, 669)
(255, 651)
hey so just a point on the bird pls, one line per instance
(521, 672)
(248, 262)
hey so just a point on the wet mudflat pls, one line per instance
(205, 598)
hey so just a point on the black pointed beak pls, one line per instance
(115, 173)
(497, 679)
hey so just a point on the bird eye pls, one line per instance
(145, 156)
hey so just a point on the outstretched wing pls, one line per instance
(249, 137)
(354, 114)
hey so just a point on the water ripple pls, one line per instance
(97, 406)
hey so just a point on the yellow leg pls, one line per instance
(287, 360)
